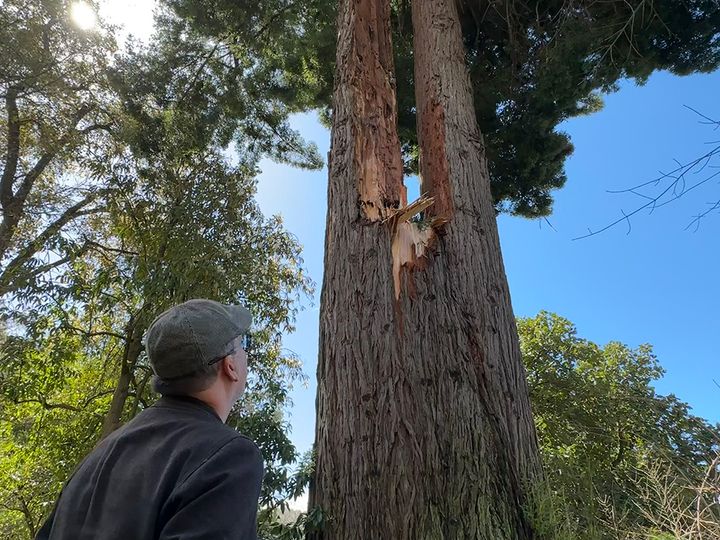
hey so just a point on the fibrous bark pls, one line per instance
(424, 428)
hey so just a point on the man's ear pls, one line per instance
(228, 368)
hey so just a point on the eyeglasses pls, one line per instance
(245, 343)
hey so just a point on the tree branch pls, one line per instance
(195, 77)
(91, 333)
(13, 148)
(96, 127)
(46, 158)
(675, 189)
(272, 19)
(111, 249)
(17, 284)
(65, 406)
(46, 405)
(35, 245)
(13, 204)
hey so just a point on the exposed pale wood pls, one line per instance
(407, 212)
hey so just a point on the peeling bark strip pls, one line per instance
(434, 168)
(370, 81)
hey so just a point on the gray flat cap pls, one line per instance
(187, 337)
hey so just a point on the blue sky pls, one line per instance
(659, 284)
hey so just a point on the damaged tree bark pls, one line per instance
(424, 428)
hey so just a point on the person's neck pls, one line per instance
(218, 404)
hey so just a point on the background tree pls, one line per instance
(79, 364)
(625, 459)
(534, 65)
(180, 222)
(57, 114)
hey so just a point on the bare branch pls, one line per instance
(696, 220)
(677, 187)
(708, 120)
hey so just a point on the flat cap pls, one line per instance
(187, 337)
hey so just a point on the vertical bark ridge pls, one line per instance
(370, 82)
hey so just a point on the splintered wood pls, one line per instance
(409, 248)
(367, 88)
(371, 81)
(411, 244)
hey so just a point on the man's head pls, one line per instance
(196, 349)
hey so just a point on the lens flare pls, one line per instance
(83, 15)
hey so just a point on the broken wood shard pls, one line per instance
(412, 241)
(404, 214)
(409, 247)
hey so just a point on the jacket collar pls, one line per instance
(187, 403)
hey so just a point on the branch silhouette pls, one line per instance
(674, 184)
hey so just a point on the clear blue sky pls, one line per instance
(657, 285)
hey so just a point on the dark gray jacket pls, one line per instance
(175, 472)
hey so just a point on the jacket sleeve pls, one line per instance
(219, 499)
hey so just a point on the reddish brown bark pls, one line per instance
(424, 433)
(434, 167)
(367, 85)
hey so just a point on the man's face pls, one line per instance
(239, 359)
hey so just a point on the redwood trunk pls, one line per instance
(424, 428)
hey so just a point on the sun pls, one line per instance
(83, 15)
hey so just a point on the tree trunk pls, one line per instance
(131, 353)
(423, 428)
(470, 268)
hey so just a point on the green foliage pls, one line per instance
(189, 123)
(235, 85)
(606, 437)
(549, 513)
(535, 64)
(52, 404)
(58, 115)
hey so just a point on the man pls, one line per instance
(176, 471)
